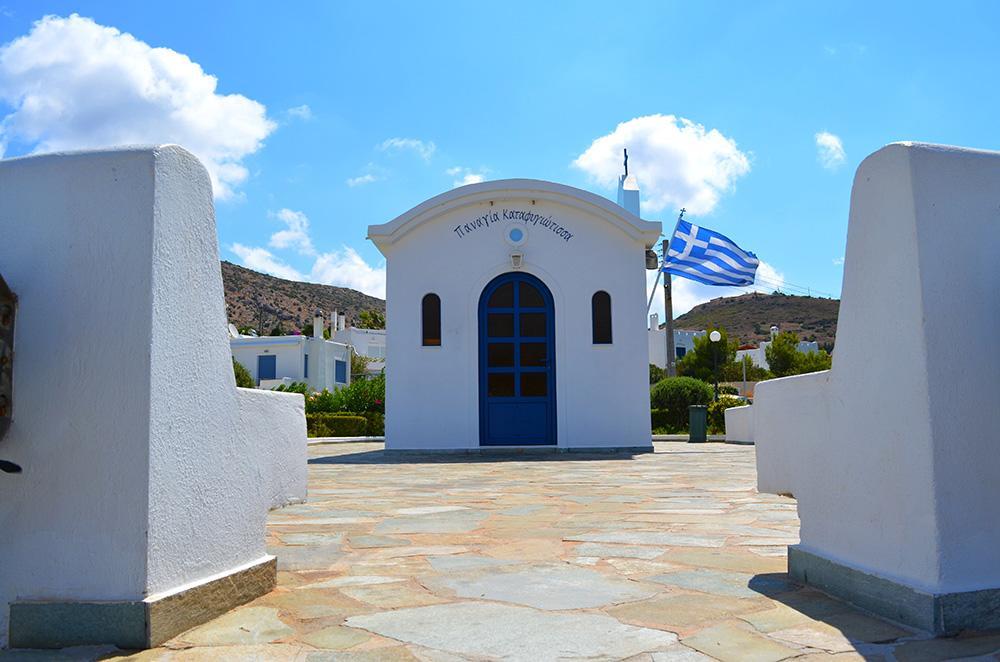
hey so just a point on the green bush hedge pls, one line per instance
(243, 377)
(336, 425)
(674, 395)
(332, 424)
(717, 413)
(363, 395)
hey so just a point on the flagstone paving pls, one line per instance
(661, 556)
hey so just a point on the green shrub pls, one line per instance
(336, 425)
(294, 387)
(674, 395)
(363, 395)
(717, 413)
(726, 389)
(662, 423)
(656, 373)
(243, 377)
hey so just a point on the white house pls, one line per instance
(273, 360)
(517, 313)
(758, 355)
(657, 338)
(365, 342)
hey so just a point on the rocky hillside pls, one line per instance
(749, 317)
(251, 296)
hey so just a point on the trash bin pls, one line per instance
(698, 424)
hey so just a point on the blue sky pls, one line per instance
(348, 114)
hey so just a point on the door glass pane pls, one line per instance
(533, 354)
(534, 384)
(503, 297)
(500, 325)
(533, 325)
(531, 297)
(500, 384)
(500, 355)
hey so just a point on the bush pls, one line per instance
(662, 422)
(675, 394)
(363, 395)
(717, 413)
(656, 373)
(336, 425)
(243, 377)
(726, 389)
(294, 387)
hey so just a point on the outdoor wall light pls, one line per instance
(516, 259)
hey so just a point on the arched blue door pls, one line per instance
(517, 368)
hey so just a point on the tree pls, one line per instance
(371, 319)
(785, 359)
(700, 362)
(781, 354)
(277, 330)
(359, 364)
(733, 372)
(656, 373)
(243, 377)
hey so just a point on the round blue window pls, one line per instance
(516, 234)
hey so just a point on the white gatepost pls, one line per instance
(893, 453)
(147, 474)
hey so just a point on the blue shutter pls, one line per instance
(305, 368)
(340, 371)
(266, 367)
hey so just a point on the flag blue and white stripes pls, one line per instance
(708, 257)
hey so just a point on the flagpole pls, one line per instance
(668, 303)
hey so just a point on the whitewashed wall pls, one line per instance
(289, 353)
(272, 427)
(891, 454)
(135, 479)
(602, 391)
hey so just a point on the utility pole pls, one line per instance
(668, 313)
(668, 304)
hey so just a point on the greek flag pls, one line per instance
(708, 257)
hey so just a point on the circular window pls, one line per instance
(516, 235)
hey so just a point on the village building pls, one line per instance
(657, 338)
(276, 360)
(369, 343)
(516, 316)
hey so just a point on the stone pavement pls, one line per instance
(664, 556)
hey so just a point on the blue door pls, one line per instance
(517, 370)
(266, 367)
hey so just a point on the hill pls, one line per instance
(251, 295)
(749, 317)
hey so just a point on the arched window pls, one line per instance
(430, 316)
(600, 308)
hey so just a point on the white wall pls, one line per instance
(602, 391)
(895, 467)
(134, 475)
(740, 423)
(272, 426)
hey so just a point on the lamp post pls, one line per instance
(715, 337)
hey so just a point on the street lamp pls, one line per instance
(715, 337)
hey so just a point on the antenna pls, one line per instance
(626, 161)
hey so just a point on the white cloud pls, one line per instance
(424, 149)
(678, 162)
(303, 112)
(296, 233)
(75, 84)
(260, 259)
(361, 180)
(348, 269)
(829, 150)
(466, 176)
(345, 268)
